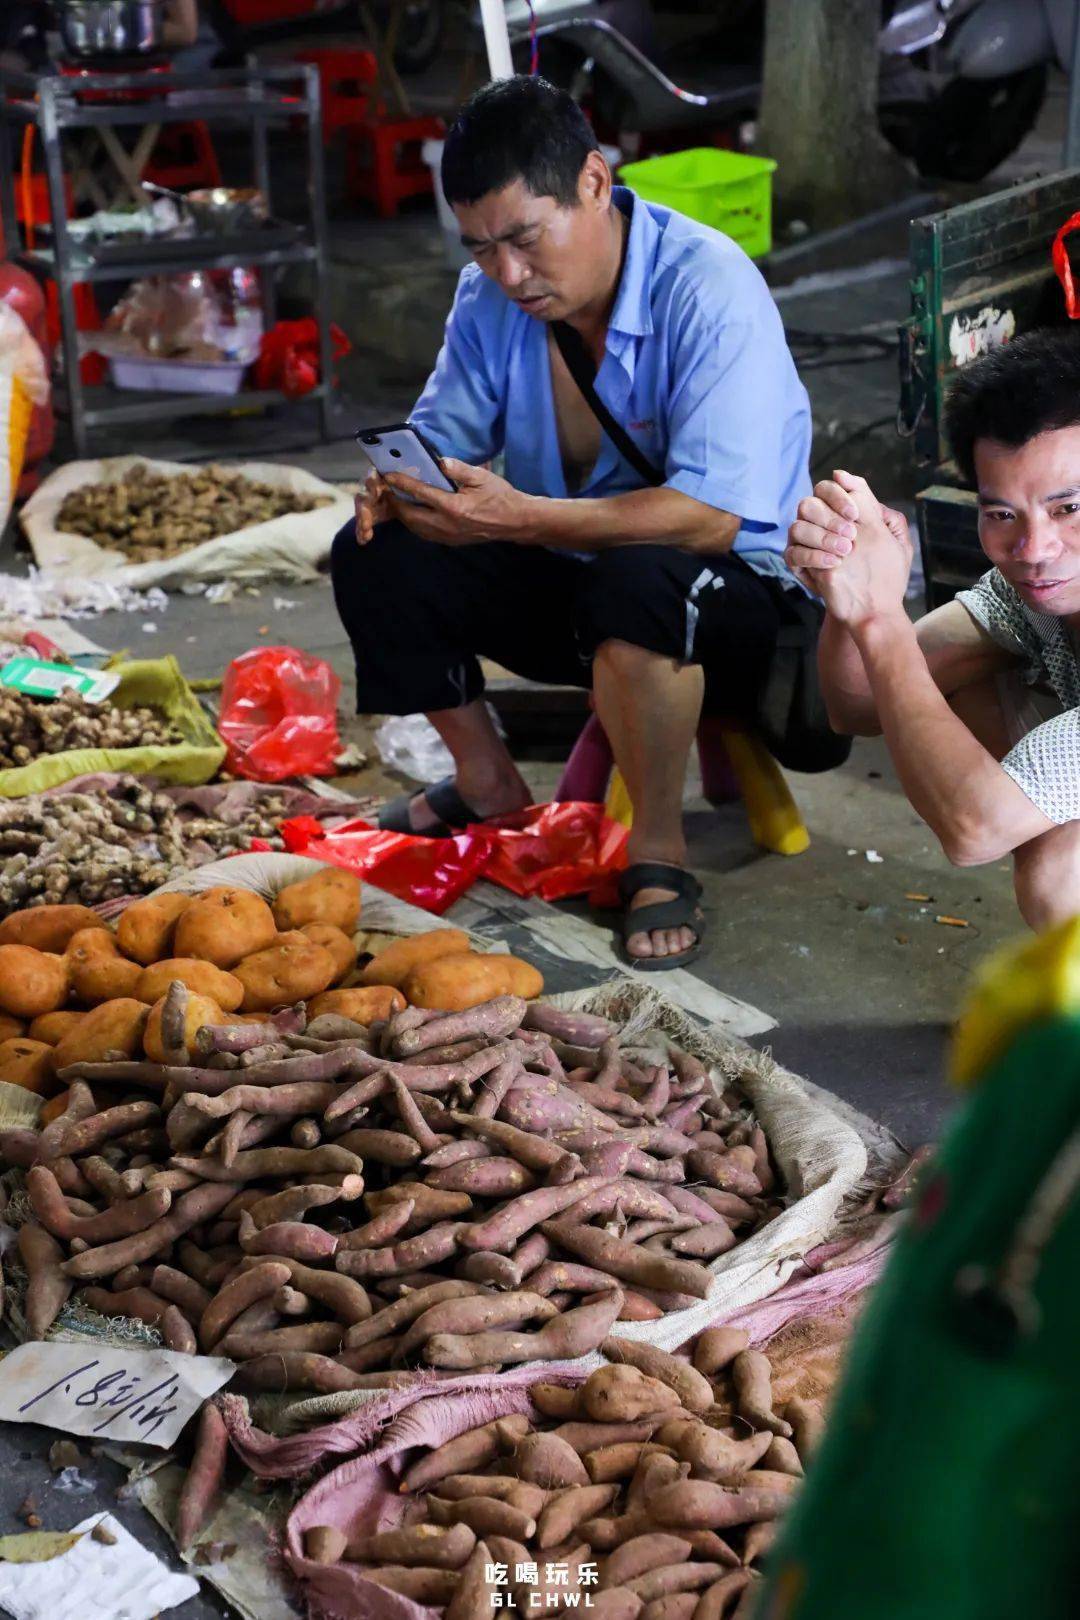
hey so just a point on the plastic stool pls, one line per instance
(347, 80)
(384, 162)
(184, 155)
(733, 764)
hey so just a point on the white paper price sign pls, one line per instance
(113, 1394)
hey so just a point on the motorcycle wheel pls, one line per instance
(970, 128)
(419, 36)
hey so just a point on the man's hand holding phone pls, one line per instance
(374, 504)
(482, 507)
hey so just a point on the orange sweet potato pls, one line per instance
(47, 928)
(104, 978)
(26, 1063)
(201, 978)
(336, 941)
(200, 1010)
(87, 943)
(393, 964)
(363, 1005)
(329, 896)
(466, 979)
(52, 1027)
(145, 931)
(223, 926)
(31, 981)
(282, 974)
(113, 1027)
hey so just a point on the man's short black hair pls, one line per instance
(1014, 393)
(517, 129)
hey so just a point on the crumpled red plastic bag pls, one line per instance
(279, 715)
(548, 850)
(428, 872)
(289, 356)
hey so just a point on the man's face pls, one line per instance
(1029, 517)
(544, 257)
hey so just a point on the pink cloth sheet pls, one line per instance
(361, 1495)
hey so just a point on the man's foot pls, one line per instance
(447, 807)
(673, 925)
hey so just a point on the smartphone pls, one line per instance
(403, 448)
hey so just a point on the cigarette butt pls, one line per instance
(917, 897)
(953, 922)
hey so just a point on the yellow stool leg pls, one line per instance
(617, 804)
(775, 822)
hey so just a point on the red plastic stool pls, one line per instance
(184, 155)
(383, 161)
(347, 80)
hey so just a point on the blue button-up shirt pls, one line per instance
(696, 368)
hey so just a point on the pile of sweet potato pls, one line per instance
(73, 991)
(652, 1489)
(526, 1183)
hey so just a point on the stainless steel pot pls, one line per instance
(110, 27)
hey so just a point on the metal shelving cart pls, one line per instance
(261, 99)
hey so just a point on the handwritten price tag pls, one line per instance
(142, 1395)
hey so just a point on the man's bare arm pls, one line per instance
(658, 517)
(959, 789)
(485, 507)
(957, 651)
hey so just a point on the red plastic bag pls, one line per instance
(550, 850)
(555, 850)
(428, 872)
(279, 715)
(289, 356)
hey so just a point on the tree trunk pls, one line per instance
(819, 111)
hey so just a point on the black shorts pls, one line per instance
(420, 616)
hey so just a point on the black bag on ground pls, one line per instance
(791, 718)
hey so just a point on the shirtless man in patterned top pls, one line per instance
(979, 702)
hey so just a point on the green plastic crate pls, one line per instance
(727, 190)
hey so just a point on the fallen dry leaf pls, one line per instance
(37, 1546)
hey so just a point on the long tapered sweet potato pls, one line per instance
(468, 1451)
(477, 1313)
(625, 1260)
(47, 1287)
(696, 1504)
(261, 1281)
(655, 1550)
(501, 1231)
(432, 1545)
(485, 1515)
(392, 1318)
(190, 1209)
(751, 1375)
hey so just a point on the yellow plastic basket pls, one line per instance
(727, 190)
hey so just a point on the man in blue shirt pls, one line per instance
(572, 567)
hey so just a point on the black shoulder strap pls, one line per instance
(579, 364)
